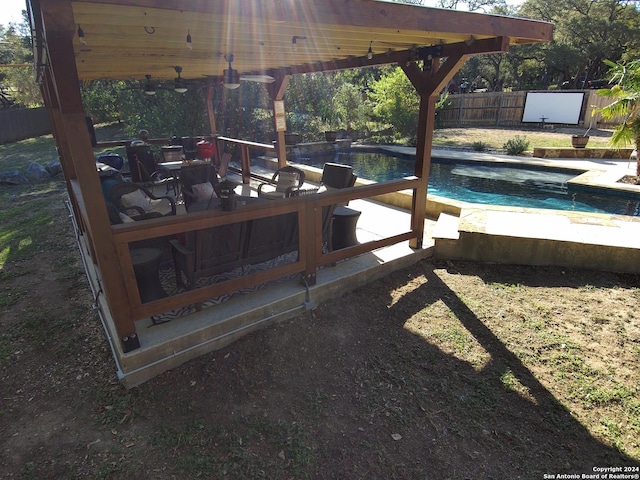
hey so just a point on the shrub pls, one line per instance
(516, 145)
(479, 146)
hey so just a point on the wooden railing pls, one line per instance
(310, 249)
(245, 153)
(308, 208)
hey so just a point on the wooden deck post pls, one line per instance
(276, 92)
(74, 144)
(429, 83)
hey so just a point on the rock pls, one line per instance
(13, 177)
(37, 172)
(53, 167)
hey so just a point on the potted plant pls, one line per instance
(291, 138)
(331, 118)
(580, 141)
(625, 96)
(330, 135)
(294, 121)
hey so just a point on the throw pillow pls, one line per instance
(126, 218)
(137, 198)
(286, 180)
(203, 192)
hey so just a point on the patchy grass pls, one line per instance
(495, 138)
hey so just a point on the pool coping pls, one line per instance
(530, 236)
(596, 174)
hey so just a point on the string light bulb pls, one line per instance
(81, 36)
(189, 44)
(370, 51)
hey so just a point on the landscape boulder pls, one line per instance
(53, 167)
(13, 177)
(37, 172)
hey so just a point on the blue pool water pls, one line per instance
(489, 184)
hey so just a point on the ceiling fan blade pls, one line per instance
(258, 78)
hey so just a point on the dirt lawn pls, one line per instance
(444, 370)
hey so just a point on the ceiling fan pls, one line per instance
(149, 88)
(179, 83)
(232, 80)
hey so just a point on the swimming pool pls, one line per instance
(486, 183)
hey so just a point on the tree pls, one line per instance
(350, 107)
(102, 100)
(472, 5)
(396, 103)
(586, 32)
(17, 78)
(625, 93)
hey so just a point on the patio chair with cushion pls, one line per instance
(134, 202)
(286, 179)
(199, 183)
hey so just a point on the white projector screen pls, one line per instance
(555, 107)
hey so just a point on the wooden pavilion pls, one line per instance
(85, 40)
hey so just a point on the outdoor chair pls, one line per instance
(336, 176)
(199, 183)
(134, 202)
(286, 180)
(145, 170)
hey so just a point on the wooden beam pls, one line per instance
(476, 47)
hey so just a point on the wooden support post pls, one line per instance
(311, 244)
(73, 137)
(245, 163)
(276, 92)
(428, 83)
(212, 121)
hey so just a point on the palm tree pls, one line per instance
(625, 93)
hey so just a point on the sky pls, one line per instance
(11, 11)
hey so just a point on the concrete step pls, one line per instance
(447, 227)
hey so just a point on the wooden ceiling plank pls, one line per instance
(260, 33)
(364, 13)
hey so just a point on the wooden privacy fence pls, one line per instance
(505, 109)
(21, 123)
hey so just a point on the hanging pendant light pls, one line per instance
(81, 38)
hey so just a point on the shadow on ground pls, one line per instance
(346, 391)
